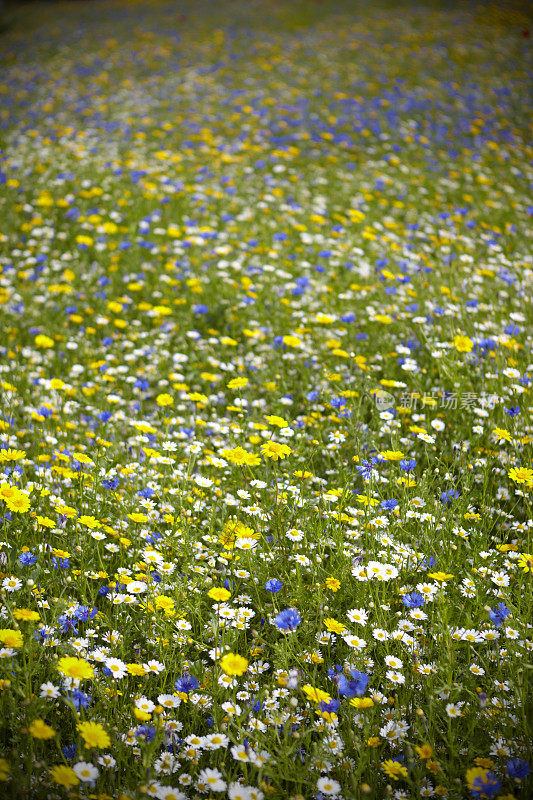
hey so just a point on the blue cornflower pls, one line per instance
(67, 623)
(498, 614)
(80, 699)
(288, 619)
(337, 402)
(60, 563)
(389, 505)
(301, 753)
(413, 600)
(27, 559)
(186, 683)
(333, 672)
(365, 469)
(512, 330)
(513, 411)
(69, 751)
(332, 706)
(85, 613)
(517, 768)
(355, 687)
(485, 786)
(312, 396)
(407, 464)
(110, 484)
(148, 731)
(449, 495)
(273, 585)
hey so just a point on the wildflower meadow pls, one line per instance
(265, 385)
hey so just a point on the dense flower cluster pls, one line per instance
(265, 449)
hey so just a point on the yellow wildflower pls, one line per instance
(94, 735)
(463, 344)
(274, 450)
(64, 776)
(233, 664)
(40, 730)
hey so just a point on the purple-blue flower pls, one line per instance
(513, 411)
(186, 683)
(389, 505)
(413, 600)
(337, 402)
(366, 469)
(69, 751)
(331, 707)
(288, 619)
(517, 768)
(498, 614)
(273, 585)
(355, 687)
(449, 495)
(80, 699)
(485, 786)
(27, 559)
(148, 731)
